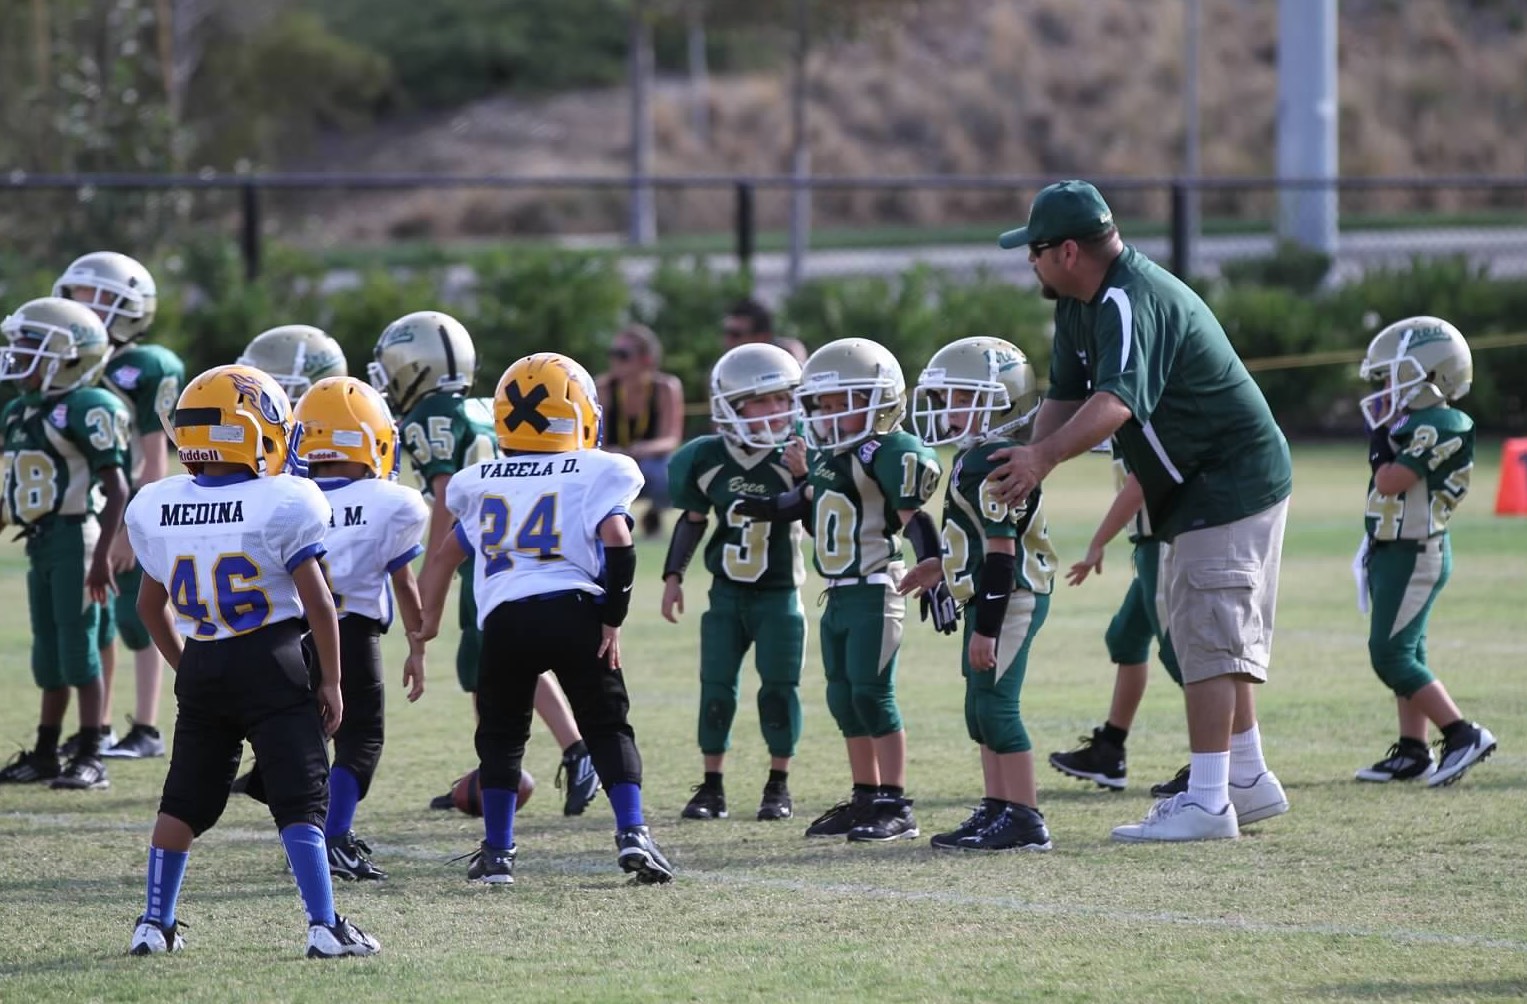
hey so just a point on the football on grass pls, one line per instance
(467, 792)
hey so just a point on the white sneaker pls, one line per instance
(340, 939)
(1459, 757)
(1176, 818)
(152, 938)
(1259, 800)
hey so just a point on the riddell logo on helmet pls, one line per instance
(199, 456)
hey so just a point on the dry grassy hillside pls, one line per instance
(1046, 87)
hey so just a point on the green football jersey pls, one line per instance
(148, 378)
(446, 432)
(973, 515)
(1140, 526)
(711, 473)
(856, 496)
(1438, 444)
(55, 448)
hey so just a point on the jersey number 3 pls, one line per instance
(537, 538)
(241, 607)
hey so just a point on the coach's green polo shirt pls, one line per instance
(1201, 438)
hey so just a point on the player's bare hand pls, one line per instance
(122, 556)
(331, 706)
(1022, 469)
(1092, 562)
(795, 457)
(413, 675)
(429, 629)
(922, 577)
(100, 582)
(609, 646)
(673, 599)
(983, 652)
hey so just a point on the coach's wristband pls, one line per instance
(995, 587)
(619, 573)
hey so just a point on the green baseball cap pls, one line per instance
(1065, 210)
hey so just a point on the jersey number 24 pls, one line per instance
(537, 536)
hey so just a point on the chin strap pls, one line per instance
(687, 534)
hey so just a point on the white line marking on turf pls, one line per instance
(838, 890)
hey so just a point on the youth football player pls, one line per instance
(234, 548)
(349, 445)
(297, 356)
(62, 437)
(424, 365)
(756, 567)
(550, 526)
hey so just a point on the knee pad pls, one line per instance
(779, 717)
(1002, 730)
(1398, 670)
(1125, 647)
(840, 702)
(500, 753)
(973, 721)
(718, 708)
(876, 707)
(200, 818)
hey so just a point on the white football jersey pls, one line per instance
(225, 547)
(531, 521)
(376, 528)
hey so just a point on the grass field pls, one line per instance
(1359, 893)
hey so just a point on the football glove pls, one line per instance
(938, 603)
(1380, 450)
(784, 508)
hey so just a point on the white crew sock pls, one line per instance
(1209, 781)
(1246, 763)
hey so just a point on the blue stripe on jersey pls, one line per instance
(405, 558)
(313, 550)
(461, 538)
(332, 484)
(223, 480)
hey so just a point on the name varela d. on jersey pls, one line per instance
(526, 468)
(201, 513)
(355, 515)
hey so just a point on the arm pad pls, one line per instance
(924, 536)
(619, 573)
(995, 587)
(687, 534)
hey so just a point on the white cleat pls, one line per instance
(1456, 759)
(1177, 819)
(341, 939)
(1259, 800)
(153, 938)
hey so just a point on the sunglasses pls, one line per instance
(735, 331)
(622, 353)
(1040, 247)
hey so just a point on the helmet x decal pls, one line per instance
(525, 407)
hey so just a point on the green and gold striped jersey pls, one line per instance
(711, 473)
(973, 515)
(54, 450)
(856, 495)
(148, 379)
(1438, 444)
(446, 432)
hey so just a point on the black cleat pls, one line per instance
(1455, 756)
(983, 814)
(71, 746)
(153, 938)
(141, 743)
(1176, 786)
(640, 855)
(837, 821)
(776, 803)
(350, 859)
(705, 803)
(1407, 760)
(582, 783)
(83, 773)
(891, 819)
(1015, 828)
(492, 865)
(342, 938)
(29, 767)
(1096, 760)
(444, 802)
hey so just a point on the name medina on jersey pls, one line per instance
(201, 513)
(526, 468)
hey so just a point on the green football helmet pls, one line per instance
(419, 354)
(297, 356)
(870, 378)
(66, 338)
(747, 372)
(118, 288)
(1422, 362)
(997, 375)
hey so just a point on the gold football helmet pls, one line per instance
(746, 372)
(870, 378)
(420, 353)
(118, 288)
(345, 419)
(235, 415)
(1421, 361)
(66, 338)
(997, 375)
(297, 355)
(546, 403)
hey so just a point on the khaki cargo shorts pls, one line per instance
(1221, 587)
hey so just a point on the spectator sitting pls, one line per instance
(643, 413)
(750, 321)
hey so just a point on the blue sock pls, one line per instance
(498, 805)
(166, 869)
(309, 857)
(626, 800)
(344, 796)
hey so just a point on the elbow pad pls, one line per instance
(995, 587)
(619, 573)
(924, 536)
(687, 534)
